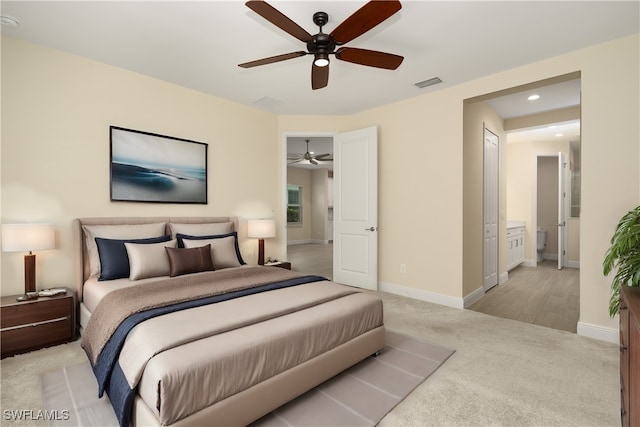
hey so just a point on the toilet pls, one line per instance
(542, 242)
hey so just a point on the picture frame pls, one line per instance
(154, 168)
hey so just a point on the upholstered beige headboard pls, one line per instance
(82, 257)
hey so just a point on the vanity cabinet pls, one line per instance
(515, 247)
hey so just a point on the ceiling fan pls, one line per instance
(313, 159)
(322, 45)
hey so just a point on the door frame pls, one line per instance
(564, 234)
(283, 178)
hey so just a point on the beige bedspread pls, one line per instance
(231, 346)
(187, 360)
(119, 304)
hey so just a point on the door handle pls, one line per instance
(370, 229)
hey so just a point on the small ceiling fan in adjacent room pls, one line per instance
(309, 156)
(322, 45)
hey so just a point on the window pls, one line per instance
(294, 204)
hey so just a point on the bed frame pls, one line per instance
(251, 404)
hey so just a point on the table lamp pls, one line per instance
(28, 238)
(261, 229)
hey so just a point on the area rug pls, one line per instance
(359, 396)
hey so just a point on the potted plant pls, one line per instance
(623, 255)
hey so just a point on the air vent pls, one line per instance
(430, 82)
(268, 102)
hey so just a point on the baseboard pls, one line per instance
(474, 296)
(530, 263)
(299, 242)
(421, 295)
(503, 278)
(598, 332)
(573, 264)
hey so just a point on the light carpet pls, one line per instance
(360, 396)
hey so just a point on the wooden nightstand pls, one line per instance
(281, 264)
(35, 324)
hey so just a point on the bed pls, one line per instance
(186, 333)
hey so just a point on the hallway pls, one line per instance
(541, 295)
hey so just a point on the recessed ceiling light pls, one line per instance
(9, 22)
(533, 97)
(558, 134)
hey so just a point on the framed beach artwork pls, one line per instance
(147, 167)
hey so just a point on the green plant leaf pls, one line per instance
(623, 256)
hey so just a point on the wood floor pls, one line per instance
(312, 258)
(541, 295)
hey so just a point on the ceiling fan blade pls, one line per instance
(313, 161)
(371, 58)
(278, 19)
(364, 19)
(320, 156)
(319, 77)
(272, 59)
(295, 161)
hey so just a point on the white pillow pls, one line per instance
(204, 229)
(223, 250)
(148, 259)
(125, 231)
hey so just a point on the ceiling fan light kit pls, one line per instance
(309, 156)
(322, 45)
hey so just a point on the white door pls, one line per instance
(355, 208)
(562, 200)
(490, 207)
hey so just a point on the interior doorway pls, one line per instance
(308, 170)
(530, 127)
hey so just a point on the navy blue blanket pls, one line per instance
(107, 370)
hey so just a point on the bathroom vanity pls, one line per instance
(515, 243)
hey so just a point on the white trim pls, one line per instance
(530, 263)
(421, 295)
(573, 264)
(599, 332)
(299, 242)
(283, 181)
(473, 297)
(503, 278)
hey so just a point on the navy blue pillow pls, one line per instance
(114, 261)
(180, 236)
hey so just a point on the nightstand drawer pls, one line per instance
(35, 312)
(35, 324)
(19, 339)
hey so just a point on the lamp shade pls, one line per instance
(261, 228)
(27, 237)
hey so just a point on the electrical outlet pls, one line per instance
(403, 268)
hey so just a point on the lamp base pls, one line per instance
(29, 273)
(260, 251)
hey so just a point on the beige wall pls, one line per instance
(319, 205)
(56, 109)
(422, 149)
(56, 113)
(314, 205)
(521, 205)
(301, 233)
(478, 116)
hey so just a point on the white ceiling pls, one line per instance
(198, 44)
